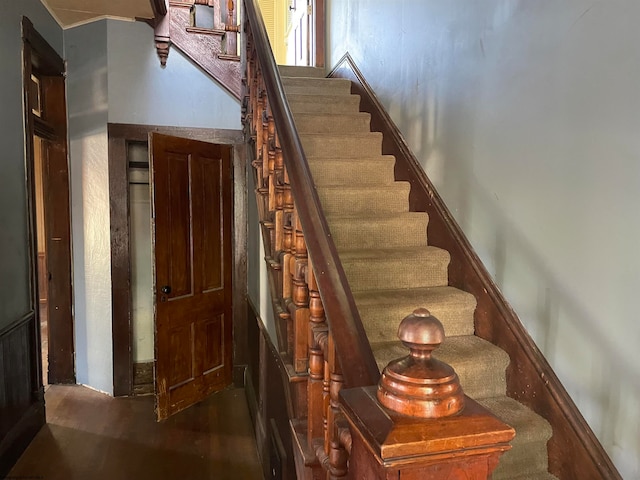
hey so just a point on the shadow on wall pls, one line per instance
(576, 340)
(593, 369)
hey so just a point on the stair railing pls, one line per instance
(284, 174)
(338, 424)
(320, 328)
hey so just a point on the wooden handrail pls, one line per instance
(353, 349)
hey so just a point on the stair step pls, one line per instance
(304, 103)
(364, 171)
(383, 310)
(384, 198)
(367, 144)
(333, 86)
(407, 229)
(332, 123)
(480, 365)
(381, 268)
(528, 455)
(296, 71)
(533, 476)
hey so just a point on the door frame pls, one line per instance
(40, 58)
(119, 136)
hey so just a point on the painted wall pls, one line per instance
(257, 275)
(87, 98)
(114, 76)
(15, 296)
(526, 117)
(180, 95)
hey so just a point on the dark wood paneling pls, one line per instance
(269, 397)
(21, 405)
(574, 451)
(21, 392)
(119, 134)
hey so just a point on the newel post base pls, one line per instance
(390, 445)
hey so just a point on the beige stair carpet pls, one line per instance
(389, 264)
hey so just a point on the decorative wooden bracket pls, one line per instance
(213, 47)
(162, 38)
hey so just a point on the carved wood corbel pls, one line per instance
(162, 37)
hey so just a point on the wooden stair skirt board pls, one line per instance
(379, 218)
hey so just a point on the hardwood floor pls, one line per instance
(90, 435)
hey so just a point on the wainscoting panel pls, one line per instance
(21, 395)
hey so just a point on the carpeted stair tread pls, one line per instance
(297, 71)
(387, 198)
(383, 310)
(309, 103)
(333, 86)
(332, 123)
(405, 267)
(528, 454)
(531, 426)
(480, 365)
(373, 170)
(390, 268)
(351, 145)
(533, 476)
(408, 229)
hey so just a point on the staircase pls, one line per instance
(390, 267)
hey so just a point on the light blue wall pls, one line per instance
(258, 288)
(87, 98)
(114, 76)
(15, 296)
(526, 114)
(141, 91)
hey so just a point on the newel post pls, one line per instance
(417, 423)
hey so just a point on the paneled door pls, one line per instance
(191, 217)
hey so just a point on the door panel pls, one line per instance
(191, 185)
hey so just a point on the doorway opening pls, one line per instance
(43, 277)
(48, 190)
(134, 354)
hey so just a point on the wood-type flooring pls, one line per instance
(92, 436)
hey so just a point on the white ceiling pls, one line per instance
(75, 12)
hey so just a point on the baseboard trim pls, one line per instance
(574, 450)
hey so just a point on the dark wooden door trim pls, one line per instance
(119, 136)
(42, 60)
(20, 359)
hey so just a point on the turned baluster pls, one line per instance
(317, 338)
(287, 245)
(336, 452)
(232, 30)
(300, 300)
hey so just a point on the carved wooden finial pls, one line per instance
(419, 385)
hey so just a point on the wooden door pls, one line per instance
(299, 42)
(305, 37)
(191, 210)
